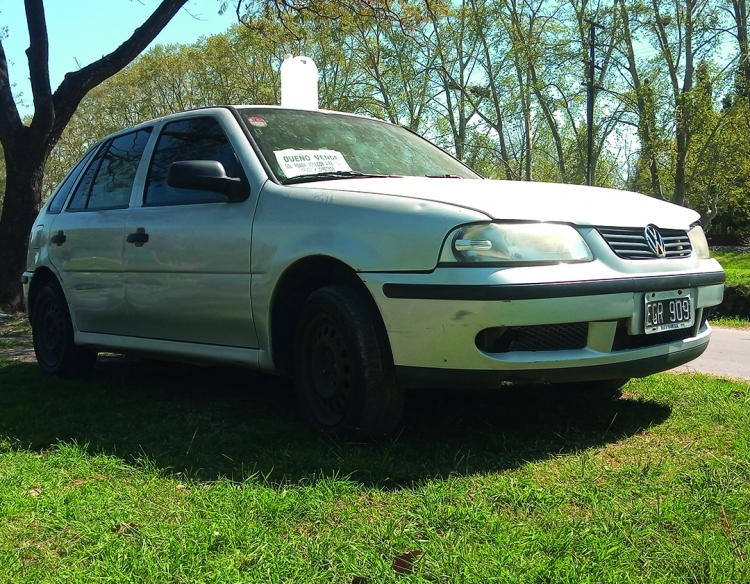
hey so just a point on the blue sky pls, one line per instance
(84, 30)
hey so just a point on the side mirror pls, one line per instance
(206, 175)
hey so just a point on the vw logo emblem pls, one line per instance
(655, 241)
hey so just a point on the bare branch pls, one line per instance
(38, 55)
(77, 84)
(10, 121)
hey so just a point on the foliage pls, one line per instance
(495, 83)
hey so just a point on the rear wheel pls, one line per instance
(343, 367)
(52, 332)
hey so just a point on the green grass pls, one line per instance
(168, 473)
(736, 322)
(736, 265)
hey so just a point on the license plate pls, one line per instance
(668, 311)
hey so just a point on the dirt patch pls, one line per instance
(15, 338)
(16, 343)
(24, 354)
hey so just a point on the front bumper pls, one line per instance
(435, 323)
(26, 281)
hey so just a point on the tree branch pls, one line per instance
(77, 84)
(38, 55)
(10, 121)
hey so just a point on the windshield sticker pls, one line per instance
(299, 162)
(257, 122)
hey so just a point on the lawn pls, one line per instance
(153, 472)
(737, 267)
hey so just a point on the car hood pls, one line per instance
(533, 201)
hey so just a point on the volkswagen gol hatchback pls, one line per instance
(358, 258)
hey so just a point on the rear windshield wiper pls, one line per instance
(329, 175)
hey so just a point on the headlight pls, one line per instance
(698, 241)
(515, 243)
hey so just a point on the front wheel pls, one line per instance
(52, 333)
(343, 367)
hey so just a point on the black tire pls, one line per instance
(52, 331)
(343, 367)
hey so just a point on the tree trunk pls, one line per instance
(682, 148)
(684, 107)
(646, 112)
(743, 67)
(682, 96)
(27, 147)
(23, 192)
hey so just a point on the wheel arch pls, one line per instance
(294, 286)
(42, 275)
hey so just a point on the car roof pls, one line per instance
(232, 107)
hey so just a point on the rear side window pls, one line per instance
(191, 139)
(58, 198)
(108, 181)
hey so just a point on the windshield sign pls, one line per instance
(298, 162)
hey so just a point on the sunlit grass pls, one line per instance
(730, 322)
(166, 473)
(736, 265)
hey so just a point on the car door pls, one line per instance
(87, 239)
(188, 256)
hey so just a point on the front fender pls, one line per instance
(368, 233)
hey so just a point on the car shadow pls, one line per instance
(209, 423)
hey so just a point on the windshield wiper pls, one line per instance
(442, 176)
(329, 175)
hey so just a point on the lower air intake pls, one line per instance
(547, 337)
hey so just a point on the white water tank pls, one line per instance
(299, 83)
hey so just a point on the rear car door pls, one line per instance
(188, 256)
(87, 239)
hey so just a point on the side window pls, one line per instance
(191, 139)
(81, 194)
(59, 196)
(108, 181)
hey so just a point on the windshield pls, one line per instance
(300, 144)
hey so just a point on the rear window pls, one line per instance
(108, 181)
(61, 194)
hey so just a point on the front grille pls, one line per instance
(547, 337)
(630, 242)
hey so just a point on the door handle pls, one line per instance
(59, 238)
(138, 238)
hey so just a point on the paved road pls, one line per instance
(728, 355)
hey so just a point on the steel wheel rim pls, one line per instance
(329, 370)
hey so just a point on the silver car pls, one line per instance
(360, 259)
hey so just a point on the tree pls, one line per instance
(644, 104)
(27, 148)
(682, 36)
